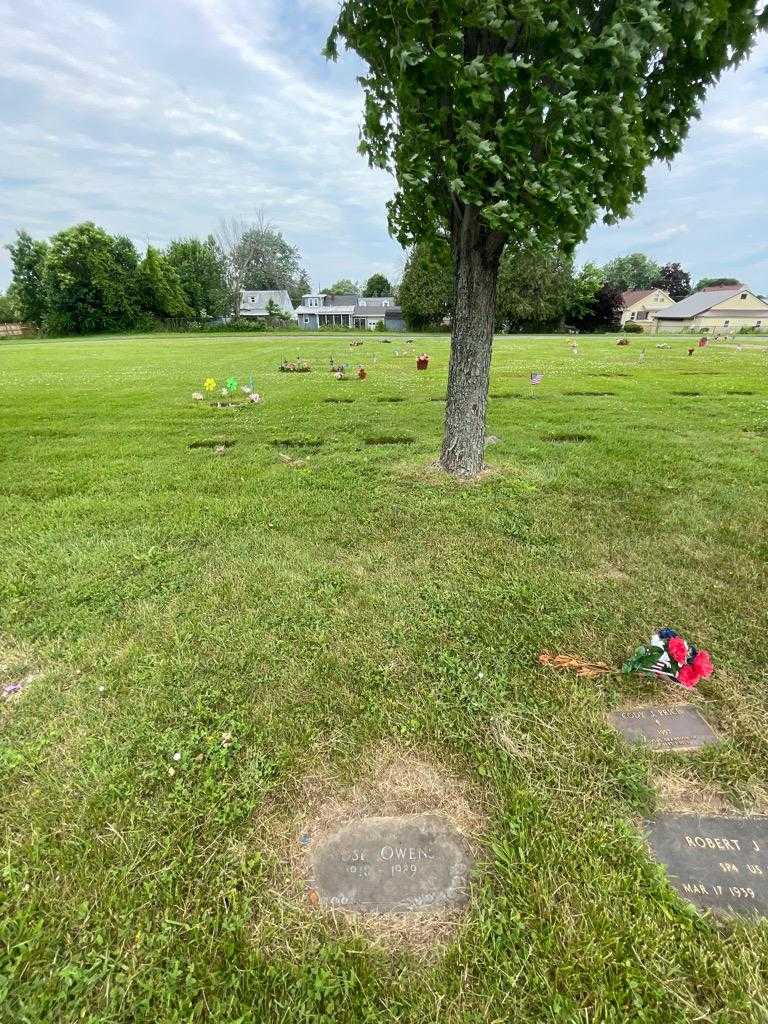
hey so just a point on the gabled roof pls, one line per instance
(257, 301)
(631, 297)
(697, 303)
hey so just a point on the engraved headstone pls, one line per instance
(718, 864)
(382, 865)
(675, 727)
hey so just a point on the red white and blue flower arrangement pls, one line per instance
(670, 656)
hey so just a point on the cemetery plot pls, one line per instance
(393, 865)
(717, 864)
(674, 728)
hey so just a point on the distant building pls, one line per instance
(641, 307)
(725, 310)
(256, 303)
(354, 312)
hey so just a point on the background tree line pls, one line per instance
(84, 280)
(539, 287)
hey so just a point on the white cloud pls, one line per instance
(158, 119)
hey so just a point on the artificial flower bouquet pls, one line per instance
(295, 366)
(227, 393)
(670, 656)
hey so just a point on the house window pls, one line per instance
(726, 323)
(643, 315)
(631, 316)
(306, 319)
(743, 296)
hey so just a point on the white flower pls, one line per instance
(177, 756)
(198, 396)
(254, 397)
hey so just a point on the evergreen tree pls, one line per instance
(28, 259)
(159, 289)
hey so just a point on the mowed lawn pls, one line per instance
(286, 611)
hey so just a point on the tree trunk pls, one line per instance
(476, 255)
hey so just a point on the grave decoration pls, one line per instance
(415, 863)
(671, 657)
(228, 397)
(691, 351)
(571, 663)
(297, 365)
(703, 342)
(623, 341)
(356, 343)
(362, 373)
(719, 864)
(422, 361)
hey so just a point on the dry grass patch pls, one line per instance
(682, 793)
(397, 781)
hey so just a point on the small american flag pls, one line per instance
(537, 378)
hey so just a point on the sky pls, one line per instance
(157, 120)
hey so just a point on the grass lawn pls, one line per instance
(294, 616)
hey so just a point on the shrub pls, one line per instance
(630, 327)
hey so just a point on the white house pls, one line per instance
(725, 310)
(255, 303)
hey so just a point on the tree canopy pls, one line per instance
(377, 285)
(90, 281)
(675, 281)
(158, 287)
(539, 114)
(342, 287)
(715, 282)
(426, 290)
(535, 287)
(28, 258)
(199, 268)
(632, 273)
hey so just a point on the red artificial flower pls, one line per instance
(678, 649)
(688, 676)
(703, 664)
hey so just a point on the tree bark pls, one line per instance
(476, 255)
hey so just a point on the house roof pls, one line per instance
(697, 304)
(326, 310)
(255, 302)
(631, 297)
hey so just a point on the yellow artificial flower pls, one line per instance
(209, 384)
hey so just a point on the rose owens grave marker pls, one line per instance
(718, 864)
(675, 727)
(393, 865)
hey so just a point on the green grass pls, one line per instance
(317, 607)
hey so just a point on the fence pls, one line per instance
(16, 330)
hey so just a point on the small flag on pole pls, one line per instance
(537, 378)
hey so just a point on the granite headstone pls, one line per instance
(418, 862)
(718, 864)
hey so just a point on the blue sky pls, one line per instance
(158, 119)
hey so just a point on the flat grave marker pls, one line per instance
(678, 727)
(419, 862)
(717, 864)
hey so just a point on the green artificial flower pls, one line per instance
(231, 384)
